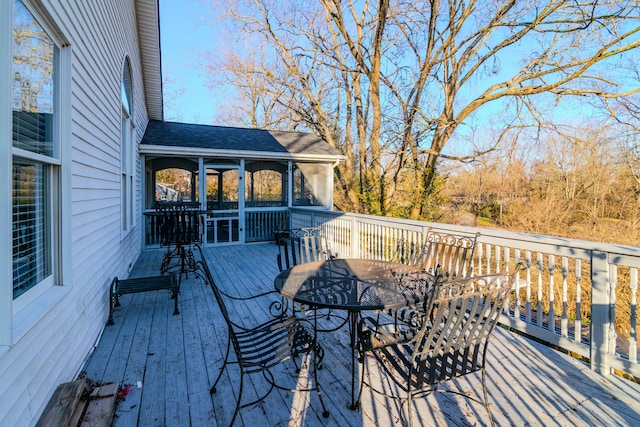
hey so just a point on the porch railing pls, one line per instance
(580, 296)
(261, 223)
(223, 227)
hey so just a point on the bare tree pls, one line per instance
(399, 80)
(171, 95)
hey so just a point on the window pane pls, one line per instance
(31, 262)
(33, 87)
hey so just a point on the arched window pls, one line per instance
(127, 96)
(128, 158)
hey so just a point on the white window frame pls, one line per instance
(127, 153)
(19, 315)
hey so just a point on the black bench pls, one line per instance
(142, 284)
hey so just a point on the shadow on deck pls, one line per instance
(175, 358)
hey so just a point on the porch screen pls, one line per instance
(311, 184)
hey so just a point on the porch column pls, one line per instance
(329, 186)
(289, 183)
(202, 189)
(241, 207)
(143, 201)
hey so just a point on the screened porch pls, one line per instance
(244, 180)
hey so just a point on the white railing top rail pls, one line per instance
(574, 248)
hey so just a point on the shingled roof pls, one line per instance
(206, 139)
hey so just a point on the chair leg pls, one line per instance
(175, 302)
(363, 358)
(316, 356)
(486, 398)
(224, 365)
(237, 410)
(409, 402)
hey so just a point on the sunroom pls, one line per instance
(251, 177)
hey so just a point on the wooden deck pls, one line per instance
(170, 362)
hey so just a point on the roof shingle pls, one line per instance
(230, 138)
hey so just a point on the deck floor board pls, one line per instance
(176, 359)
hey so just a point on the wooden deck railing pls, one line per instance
(578, 295)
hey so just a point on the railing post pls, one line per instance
(355, 238)
(601, 322)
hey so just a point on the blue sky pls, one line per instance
(185, 33)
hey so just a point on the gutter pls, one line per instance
(175, 151)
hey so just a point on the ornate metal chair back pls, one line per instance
(448, 254)
(302, 245)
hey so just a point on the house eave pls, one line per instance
(148, 18)
(161, 150)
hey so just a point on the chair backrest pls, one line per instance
(461, 316)
(205, 273)
(408, 252)
(277, 340)
(448, 254)
(300, 246)
(180, 224)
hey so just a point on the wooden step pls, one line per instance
(101, 406)
(80, 403)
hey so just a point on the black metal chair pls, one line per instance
(180, 227)
(259, 348)
(448, 255)
(299, 246)
(451, 342)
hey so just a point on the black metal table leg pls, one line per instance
(353, 335)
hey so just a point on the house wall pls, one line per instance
(46, 342)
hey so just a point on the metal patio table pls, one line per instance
(179, 226)
(354, 285)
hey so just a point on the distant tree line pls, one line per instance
(585, 186)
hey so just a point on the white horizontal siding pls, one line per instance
(100, 35)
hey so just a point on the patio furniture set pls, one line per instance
(421, 315)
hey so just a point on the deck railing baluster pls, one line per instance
(564, 325)
(540, 308)
(578, 321)
(552, 294)
(633, 330)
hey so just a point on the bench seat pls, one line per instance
(142, 284)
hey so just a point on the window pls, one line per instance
(127, 154)
(35, 153)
